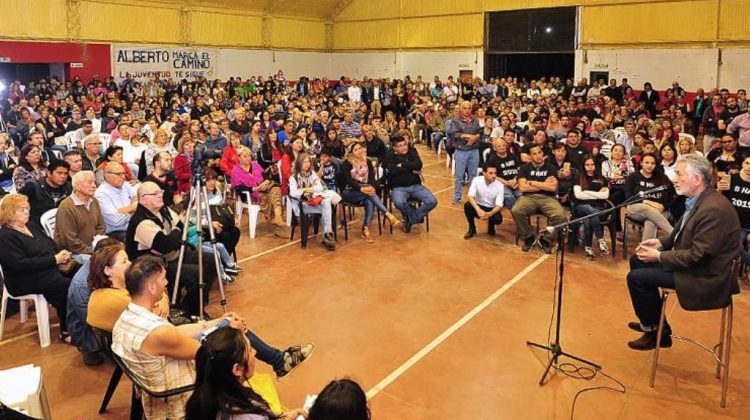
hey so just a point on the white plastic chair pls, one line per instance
(22, 389)
(70, 140)
(48, 222)
(485, 153)
(40, 307)
(252, 212)
(606, 149)
(105, 139)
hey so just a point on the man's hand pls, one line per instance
(217, 227)
(62, 257)
(648, 255)
(482, 214)
(649, 244)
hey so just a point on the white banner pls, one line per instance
(166, 62)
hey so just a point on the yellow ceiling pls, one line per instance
(313, 9)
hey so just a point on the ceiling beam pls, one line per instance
(340, 6)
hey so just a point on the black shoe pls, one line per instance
(328, 243)
(491, 229)
(470, 234)
(528, 243)
(635, 326)
(648, 341)
(406, 227)
(93, 358)
(546, 246)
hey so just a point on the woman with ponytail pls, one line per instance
(224, 363)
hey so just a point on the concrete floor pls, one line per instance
(435, 327)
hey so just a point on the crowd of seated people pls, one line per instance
(548, 146)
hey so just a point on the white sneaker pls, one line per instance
(603, 248)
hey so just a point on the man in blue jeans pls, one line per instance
(464, 132)
(403, 167)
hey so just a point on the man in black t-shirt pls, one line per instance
(47, 193)
(576, 152)
(507, 165)
(163, 176)
(736, 188)
(538, 184)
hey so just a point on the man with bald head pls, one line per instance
(155, 229)
(464, 133)
(117, 199)
(79, 218)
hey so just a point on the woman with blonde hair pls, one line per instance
(160, 144)
(359, 187)
(31, 264)
(248, 176)
(685, 146)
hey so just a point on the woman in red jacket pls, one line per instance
(229, 154)
(181, 164)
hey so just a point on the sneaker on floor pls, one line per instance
(589, 252)
(231, 270)
(470, 233)
(229, 279)
(603, 248)
(293, 358)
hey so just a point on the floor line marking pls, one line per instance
(286, 245)
(24, 335)
(452, 329)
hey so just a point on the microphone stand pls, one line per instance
(562, 230)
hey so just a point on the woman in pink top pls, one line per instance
(247, 176)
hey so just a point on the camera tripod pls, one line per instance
(199, 201)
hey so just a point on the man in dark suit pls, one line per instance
(695, 259)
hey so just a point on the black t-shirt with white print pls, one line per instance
(507, 167)
(530, 172)
(739, 195)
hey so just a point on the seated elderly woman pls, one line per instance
(359, 187)
(31, 264)
(307, 188)
(248, 176)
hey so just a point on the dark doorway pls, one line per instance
(529, 66)
(12, 71)
(599, 75)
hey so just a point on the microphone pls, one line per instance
(652, 190)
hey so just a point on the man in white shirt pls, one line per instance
(486, 195)
(627, 138)
(451, 92)
(355, 93)
(117, 200)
